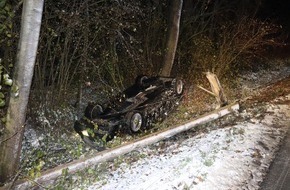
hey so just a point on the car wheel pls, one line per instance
(178, 87)
(140, 81)
(134, 121)
(93, 111)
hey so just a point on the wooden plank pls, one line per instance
(206, 90)
(126, 148)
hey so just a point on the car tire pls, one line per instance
(140, 81)
(134, 121)
(178, 87)
(93, 111)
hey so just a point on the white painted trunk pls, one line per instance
(23, 71)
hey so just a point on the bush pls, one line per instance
(232, 45)
(92, 42)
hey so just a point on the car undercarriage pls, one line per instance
(148, 101)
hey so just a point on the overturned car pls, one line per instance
(144, 103)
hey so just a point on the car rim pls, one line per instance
(140, 81)
(179, 87)
(136, 122)
(99, 108)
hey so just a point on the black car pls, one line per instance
(144, 103)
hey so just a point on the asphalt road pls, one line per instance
(278, 177)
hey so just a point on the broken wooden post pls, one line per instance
(216, 88)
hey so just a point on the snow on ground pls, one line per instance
(254, 80)
(233, 157)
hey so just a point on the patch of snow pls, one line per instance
(31, 137)
(253, 80)
(234, 157)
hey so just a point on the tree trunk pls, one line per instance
(172, 40)
(10, 146)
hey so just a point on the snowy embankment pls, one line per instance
(230, 153)
(230, 157)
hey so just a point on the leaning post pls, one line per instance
(217, 89)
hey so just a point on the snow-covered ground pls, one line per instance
(231, 153)
(232, 157)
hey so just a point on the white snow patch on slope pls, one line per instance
(235, 157)
(222, 159)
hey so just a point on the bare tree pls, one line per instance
(172, 40)
(10, 146)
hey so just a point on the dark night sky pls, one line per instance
(278, 10)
